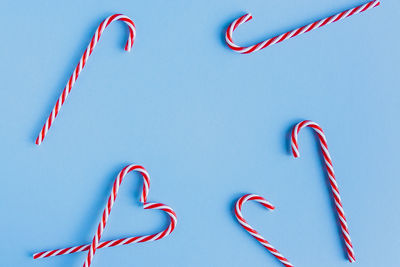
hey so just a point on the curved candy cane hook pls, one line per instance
(252, 231)
(331, 175)
(138, 239)
(81, 64)
(293, 33)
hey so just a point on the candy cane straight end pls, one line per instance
(37, 142)
(351, 260)
(39, 139)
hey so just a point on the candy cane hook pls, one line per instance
(81, 64)
(138, 239)
(277, 39)
(332, 179)
(252, 231)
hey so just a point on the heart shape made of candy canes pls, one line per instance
(96, 244)
(252, 231)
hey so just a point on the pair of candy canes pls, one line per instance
(334, 188)
(245, 50)
(96, 244)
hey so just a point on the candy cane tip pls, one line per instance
(36, 255)
(248, 16)
(295, 153)
(37, 142)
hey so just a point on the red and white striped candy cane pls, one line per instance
(332, 179)
(81, 64)
(252, 231)
(96, 244)
(293, 33)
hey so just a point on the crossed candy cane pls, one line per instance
(96, 244)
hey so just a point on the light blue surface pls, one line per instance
(207, 123)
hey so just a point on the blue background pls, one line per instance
(207, 123)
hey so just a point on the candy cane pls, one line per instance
(252, 231)
(138, 239)
(81, 64)
(293, 33)
(332, 179)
